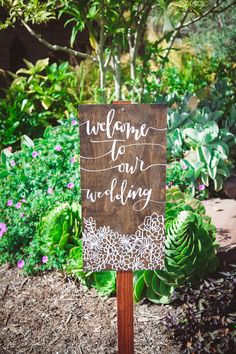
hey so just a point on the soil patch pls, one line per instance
(52, 314)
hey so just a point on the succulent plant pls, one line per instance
(60, 229)
(190, 250)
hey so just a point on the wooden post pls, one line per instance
(125, 310)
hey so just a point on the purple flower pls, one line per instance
(44, 259)
(3, 228)
(23, 200)
(201, 187)
(170, 183)
(20, 263)
(18, 205)
(12, 163)
(58, 148)
(184, 166)
(74, 122)
(72, 160)
(70, 185)
(9, 202)
(22, 215)
(50, 190)
(34, 154)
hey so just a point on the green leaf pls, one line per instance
(24, 103)
(3, 173)
(41, 64)
(205, 154)
(152, 296)
(5, 154)
(205, 178)
(165, 289)
(63, 241)
(148, 277)
(191, 136)
(165, 277)
(139, 288)
(105, 282)
(92, 12)
(46, 102)
(198, 166)
(218, 182)
(48, 132)
(26, 141)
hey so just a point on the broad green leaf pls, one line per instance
(41, 64)
(152, 296)
(218, 182)
(205, 154)
(139, 288)
(205, 178)
(26, 141)
(148, 277)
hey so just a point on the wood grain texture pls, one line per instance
(125, 312)
(122, 172)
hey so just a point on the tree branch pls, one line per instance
(174, 35)
(56, 47)
(212, 10)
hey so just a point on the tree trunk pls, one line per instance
(102, 73)
(117, 73)
(132, 67)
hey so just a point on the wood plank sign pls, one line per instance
(123, 181)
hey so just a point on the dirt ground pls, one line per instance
(223, 214)
(51, 314)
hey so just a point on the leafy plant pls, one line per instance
(39, 95)
(209, 154)
(195, 137)
(184, 177)
(34, 180)
(190, 250)
(205, 320)
(57, 233)
(61, 228)
(104, 282)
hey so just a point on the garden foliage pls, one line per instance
(40, 204)
(197, 139)
(39, 95)
(34, 180)
(190, 250)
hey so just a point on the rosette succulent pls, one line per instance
(190, 250)
(60, 229)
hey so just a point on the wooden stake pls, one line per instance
(125, 310)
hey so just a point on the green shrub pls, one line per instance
(40, 223)
(195, 137)
(34, 180)
(58, 231)
(184, 177)
(190, 250)
(39, 95)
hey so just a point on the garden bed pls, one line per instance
(51, 314)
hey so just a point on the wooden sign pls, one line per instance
(123, 161)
